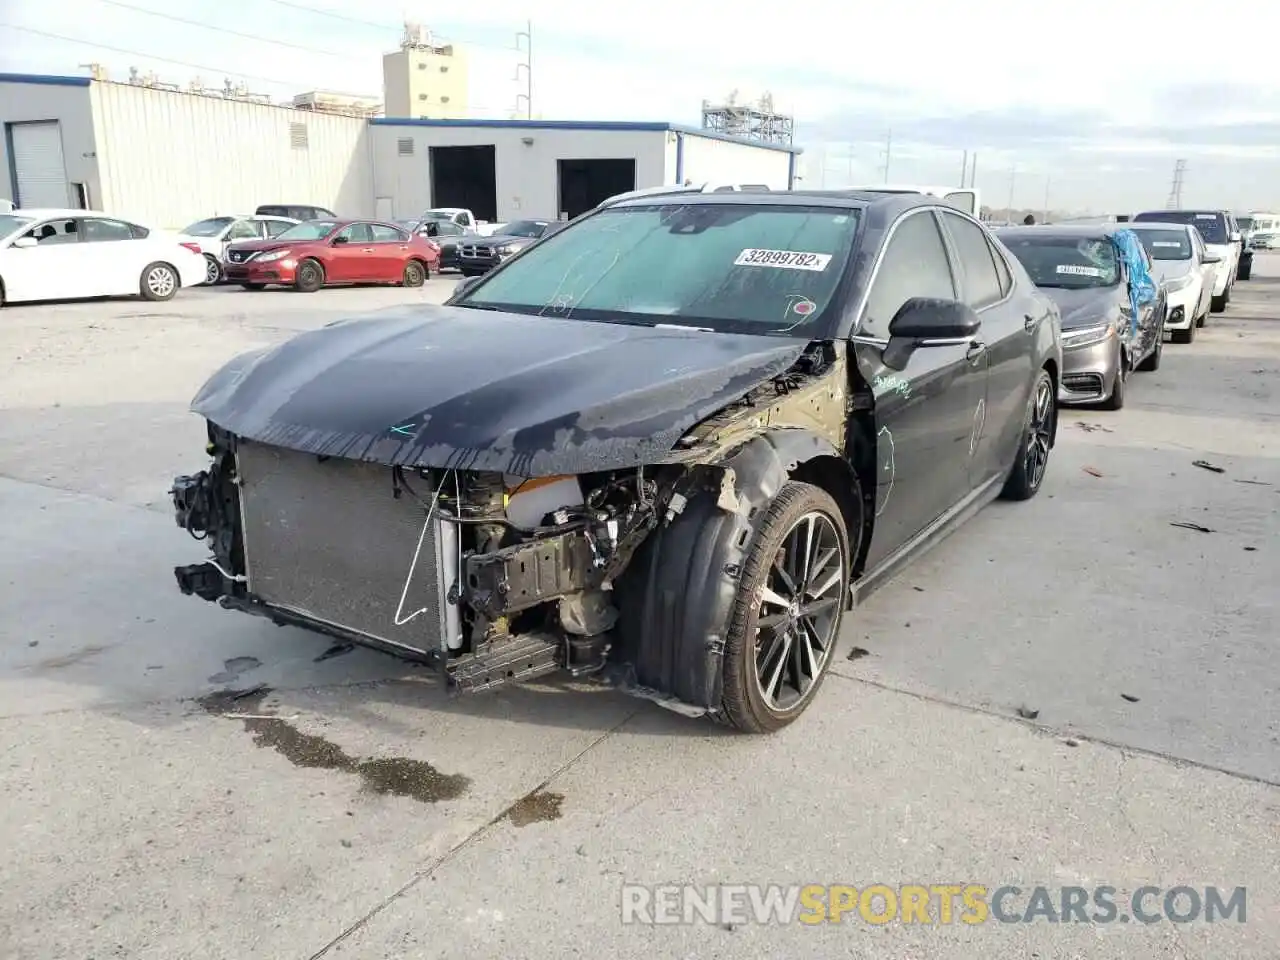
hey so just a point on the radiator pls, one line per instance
(327, 539)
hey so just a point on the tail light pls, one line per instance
(193, 247)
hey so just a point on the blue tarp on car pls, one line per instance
(1142, 287)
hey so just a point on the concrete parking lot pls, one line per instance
(1072, 691)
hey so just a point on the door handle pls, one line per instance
(976, 349)
(1029, 323)
(367, 250)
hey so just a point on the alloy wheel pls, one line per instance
(799, 613)
(212, 272)
(1040, 432)
(160, 281)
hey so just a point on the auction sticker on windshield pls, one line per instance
(1165, 243)
(786, 259)
(1078, 271)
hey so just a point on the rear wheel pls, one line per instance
(1032, 459)
(212, 269)
(786, 619)
(415, 274)
(309, 277)
(1218, 304)
(159, 281)
(1245, 270)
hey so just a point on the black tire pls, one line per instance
(470, 273)
(159, 282)
(1245, 270)
(254, 286)
(1026, 476)
(1219, 304)
(1188, 335)
(743, 699)
(415, 274)
(1204, 317)
(1116, 400)
(212, 270)
(309, 277)
(1152, 363)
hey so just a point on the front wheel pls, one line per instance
(1032, 458)
(1219, 304)
(1245, 270)
(309, 278)
(159, 282)
(786, 619)
(1188, 335)
(212, 270)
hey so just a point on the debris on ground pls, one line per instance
(1128, 696)
(336, 650)
(1026, 713)
(1188, 525)
(1256, 483)
(857, 653)
(918, 589)
(1071, 743)
(1093, 427)
(1250, 549)
(1092, 471)
(1206, 465)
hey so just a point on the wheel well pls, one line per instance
(314, 260)
(848, 487)
(1051, 366)
(421, 262)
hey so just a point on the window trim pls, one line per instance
(860, 312)
(954, 248)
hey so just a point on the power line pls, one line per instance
(228, 31)
(345, 18)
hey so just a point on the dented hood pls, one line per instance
(484, 390)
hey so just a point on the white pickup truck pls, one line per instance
(463, 218)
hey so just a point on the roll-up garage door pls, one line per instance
(38, 167)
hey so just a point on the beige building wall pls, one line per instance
(425, 83)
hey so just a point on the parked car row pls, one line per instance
(1122, 287)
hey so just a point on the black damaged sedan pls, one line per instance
(669, 445)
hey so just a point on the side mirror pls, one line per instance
(24, 243)
(928, 322)
(341, 240)
(1211, 258)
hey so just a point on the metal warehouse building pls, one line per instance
(169, 157)
(504, 170)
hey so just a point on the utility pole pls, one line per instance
(527, 36)
(888, 155)
(964, 168)
(973, 171)
(1175, 189)
(1045, 211)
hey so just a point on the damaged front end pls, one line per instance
(496, 578)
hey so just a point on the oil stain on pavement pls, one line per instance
(389, 776)
(537, 807)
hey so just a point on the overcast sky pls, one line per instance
(1044, 96)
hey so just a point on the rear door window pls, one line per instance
(982, 285)
(385, 234)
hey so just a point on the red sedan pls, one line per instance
(317, 253)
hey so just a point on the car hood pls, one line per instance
(502, 239)
(257, 246)
(1083, 308)
(485, 390)
(1170, 269)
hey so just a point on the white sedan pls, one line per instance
(215, 234)
(73, 254)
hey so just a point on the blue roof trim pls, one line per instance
(45, 79)
(644, 126)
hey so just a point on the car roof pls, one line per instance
(40, 213)
(1152, 213)
(1158, 225)
(1065, 231)
(890, 203)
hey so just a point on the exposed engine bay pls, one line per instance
(496, 578)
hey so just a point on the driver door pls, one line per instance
(928, 414)
(54, 269)
(351, 254)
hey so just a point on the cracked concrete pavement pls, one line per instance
(140, 822)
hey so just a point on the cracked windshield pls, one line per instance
(728, 267)
(1066, 262)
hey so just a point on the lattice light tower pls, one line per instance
(754, 121)
(1175, 189)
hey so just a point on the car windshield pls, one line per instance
(1166, 244)
(1067, 262)
(437, 215)
(1246, 223)
(311, 230)
(8, 224)
(730, 267)
(525, 228)
(1212, 226)
(209, 228)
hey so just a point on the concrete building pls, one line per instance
(167, 157)
(424, 79)
(506, 169)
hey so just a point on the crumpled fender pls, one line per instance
(677, 594)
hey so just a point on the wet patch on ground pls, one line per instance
(388, 776)
(537, 807)
(70, 659)
(232, 669)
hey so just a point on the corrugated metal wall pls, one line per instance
(705, 158)
(168, 158)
